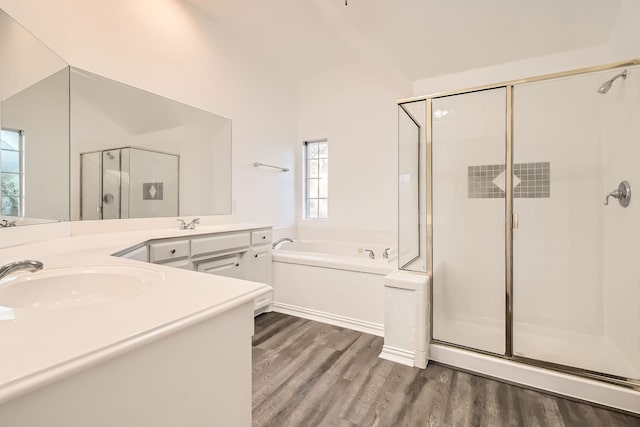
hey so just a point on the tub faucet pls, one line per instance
(385, 253)
(371, 254)
(192, 224)
(277, 242)
(27, 264)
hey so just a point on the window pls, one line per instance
(316, 179)
(11, 188)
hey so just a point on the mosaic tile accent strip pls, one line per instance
(531, 180)
(481, 182)
(152, 191)
(535, 181)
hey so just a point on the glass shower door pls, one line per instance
(576, 293)
(468, 180)
(410, 133)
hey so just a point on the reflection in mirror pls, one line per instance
(34, 121)
(108, 176)
(136, 154)
(412, 252)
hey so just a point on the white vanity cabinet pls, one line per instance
(241, 254)
(260, 266)
(223, 254)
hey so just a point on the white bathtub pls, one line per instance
(332, 282)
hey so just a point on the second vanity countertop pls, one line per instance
(40, 346)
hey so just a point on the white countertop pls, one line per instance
(40, 346)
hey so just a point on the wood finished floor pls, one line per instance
(307, 373)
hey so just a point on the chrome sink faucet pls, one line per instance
(27, 264)
(6, 223)
(191, 226)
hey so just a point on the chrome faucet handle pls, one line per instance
(371, 254)
(7, 223)
(615, 194)
(193, 223)
(623, 194)
(183, 225)
(385, 253)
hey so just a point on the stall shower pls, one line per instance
(128, 182)
(532, 230)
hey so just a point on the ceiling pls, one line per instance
(417, 38)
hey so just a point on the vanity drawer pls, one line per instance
(260, 237)
(229, 266)
(159, 252)
(229, 242)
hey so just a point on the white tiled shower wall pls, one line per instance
(621, 231)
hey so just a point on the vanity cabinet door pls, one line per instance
(228, 266)
(260, 265)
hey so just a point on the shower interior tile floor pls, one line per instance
(307, 373)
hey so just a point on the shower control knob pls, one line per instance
(623, 194)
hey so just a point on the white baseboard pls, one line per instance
(331, 319)
(398, 355)
(539, 378)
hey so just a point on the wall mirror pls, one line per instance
(76, 145)
(34, 117)
(135, 154)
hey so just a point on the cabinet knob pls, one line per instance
(255, 256)
(238, 265)
(173, 251)
(264, 237)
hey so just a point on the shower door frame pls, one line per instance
(509, 221)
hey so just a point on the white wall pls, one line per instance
(169, 48)
(513, 70)
(624, 42)
(354, 107)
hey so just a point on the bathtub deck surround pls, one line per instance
(407, 331)
(332, 282)
(145, 347)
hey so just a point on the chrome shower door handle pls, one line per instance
(623, 194)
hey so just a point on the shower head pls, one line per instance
(604, 88)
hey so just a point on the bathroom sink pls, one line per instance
(74, 287)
